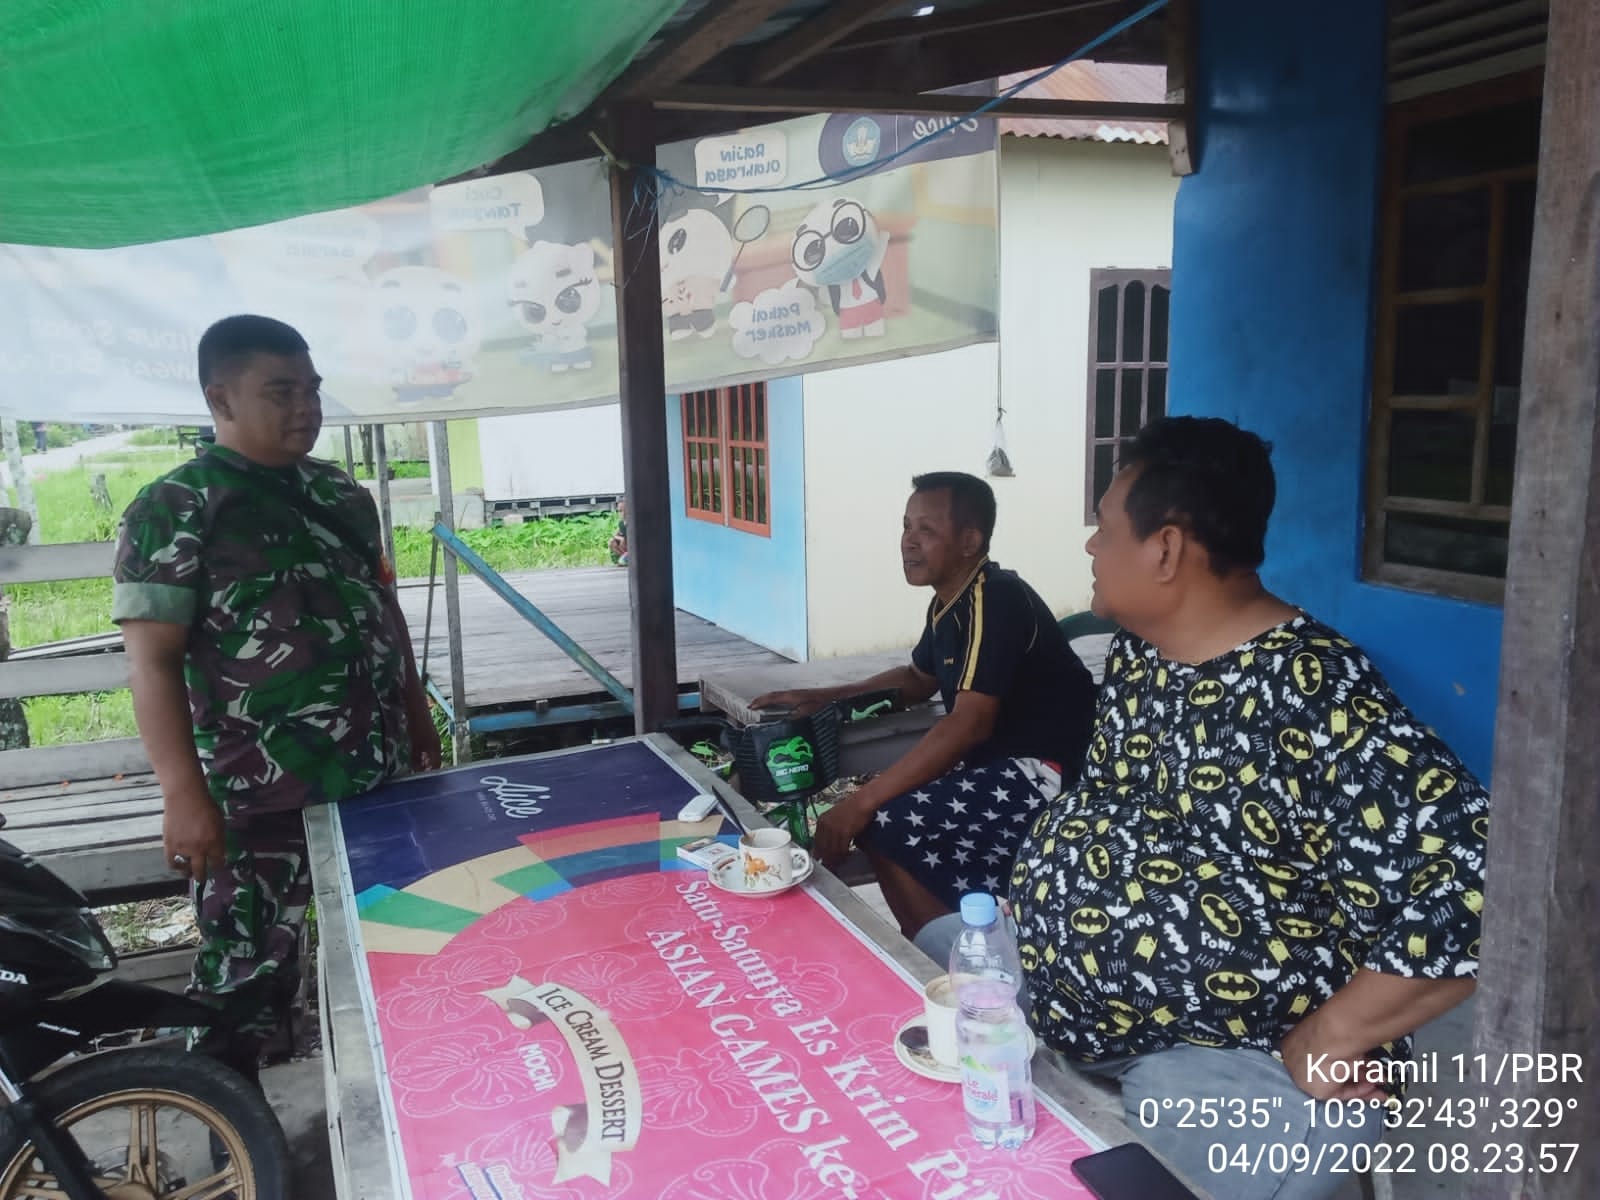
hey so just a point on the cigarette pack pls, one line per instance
(707, 852)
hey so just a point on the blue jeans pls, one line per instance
(938, 937)
(1298, 1131)
(1249, 1082)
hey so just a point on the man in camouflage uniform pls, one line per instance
(271, 667)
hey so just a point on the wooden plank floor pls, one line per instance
(103, 836)
(508, 661)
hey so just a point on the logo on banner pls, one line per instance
(519, 801)
(609, 1120)
(861, 141)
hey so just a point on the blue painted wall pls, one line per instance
(1273, 267)
(750, 585)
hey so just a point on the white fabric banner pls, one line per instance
(496, 295)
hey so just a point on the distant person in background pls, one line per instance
(270, 664)
(619, 540)
(41, 438)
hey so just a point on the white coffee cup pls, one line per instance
(768, 858)
(939, 1008)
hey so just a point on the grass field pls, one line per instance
(68, 513)
(49, 612)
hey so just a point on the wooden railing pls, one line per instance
(92, 811)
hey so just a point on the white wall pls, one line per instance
(1066, 208)
(573, 452)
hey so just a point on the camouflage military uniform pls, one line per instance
(295, 672)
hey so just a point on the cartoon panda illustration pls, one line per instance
(697, 254)
(840, 247)
(426, 327)
(555, 295)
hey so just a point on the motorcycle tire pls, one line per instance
(241, 1124)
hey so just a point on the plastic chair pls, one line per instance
(1086, 624)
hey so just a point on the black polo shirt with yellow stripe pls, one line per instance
(999, 638)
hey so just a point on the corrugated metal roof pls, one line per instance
(1085, 80)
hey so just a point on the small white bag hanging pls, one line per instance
(999, 463)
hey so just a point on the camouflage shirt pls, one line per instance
(296, 658)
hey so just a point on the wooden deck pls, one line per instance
(509, 662)
(93, 812)
(103, 836)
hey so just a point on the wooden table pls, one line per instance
(363, 1124)
(866, 747)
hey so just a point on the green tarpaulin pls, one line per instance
(127, 121)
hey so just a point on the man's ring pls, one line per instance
(180, 860)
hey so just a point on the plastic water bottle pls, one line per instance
(991, 1030)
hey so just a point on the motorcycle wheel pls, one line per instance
(156, 1124)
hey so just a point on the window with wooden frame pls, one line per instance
(1457, 226)
(726, 473)
(1127, 367)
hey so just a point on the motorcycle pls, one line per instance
(146, 1123)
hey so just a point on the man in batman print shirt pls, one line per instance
(1270, 873)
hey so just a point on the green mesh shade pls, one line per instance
(127, 121)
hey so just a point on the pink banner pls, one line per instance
(635, 1032)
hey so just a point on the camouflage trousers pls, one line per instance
(250, 915)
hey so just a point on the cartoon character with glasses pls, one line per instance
(840, 247)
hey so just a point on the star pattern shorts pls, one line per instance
(960, 833)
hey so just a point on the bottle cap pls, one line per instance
(979, 908)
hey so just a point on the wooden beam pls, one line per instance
(63, 676)
(985, 18)
(692, 98)
(168, 970)
(926, 64)
(1181, 147)
(65, 764)
(642, 384)
(920, 63)
(712, 30)
(1539, 993)
(46, 564)
(782, 55)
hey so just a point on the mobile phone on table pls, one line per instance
(1129, 1172)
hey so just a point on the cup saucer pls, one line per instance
(730, 877)
(911, 1048)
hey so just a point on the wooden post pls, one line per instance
(1181, 148)
(642, 378)
(349, 452)
(1539, 990)
(460, 737)
(19, 477)
(380, 452)
(15, 526)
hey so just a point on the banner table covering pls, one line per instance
(562, 1007)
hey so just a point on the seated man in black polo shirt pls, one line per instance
(946, 818)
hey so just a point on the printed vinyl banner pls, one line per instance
(565, 1008)
(496, 295)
